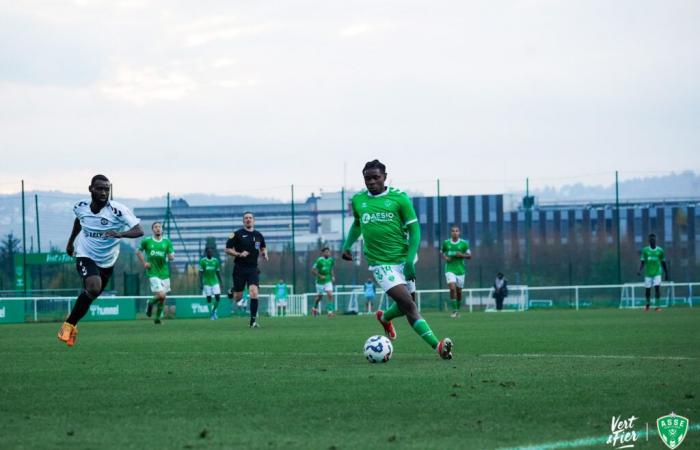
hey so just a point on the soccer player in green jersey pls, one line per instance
(281, 297)
(210, 281)
(455, 251)
(385, 217)
(653, 261)
(324, 271)
(158, 251)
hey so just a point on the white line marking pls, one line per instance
(554, 355)
(583, 442)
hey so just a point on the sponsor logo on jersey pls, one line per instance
(377, 217)
(104, 221)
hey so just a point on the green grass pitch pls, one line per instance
(541, 377)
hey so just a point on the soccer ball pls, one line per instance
(378, 349)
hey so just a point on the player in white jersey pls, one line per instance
(103, 223)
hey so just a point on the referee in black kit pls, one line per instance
(245, 246)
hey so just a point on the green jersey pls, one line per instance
(209, 268)
(281, 291)
(451, 248)
(652, 258)
(382, 220)
(324, 270)
(156, 253)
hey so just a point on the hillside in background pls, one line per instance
(676, 185)
(55, 208)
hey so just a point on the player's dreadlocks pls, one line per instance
(374, 164)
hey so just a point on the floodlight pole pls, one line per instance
(528, 219)
(38, 233)
(294, 251)
(342, 214)
(167, 215)
(617, 226)
(24, 246)
(38, 238)
(439, 237)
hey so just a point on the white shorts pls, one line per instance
(389, 276)
(456, 279)
(282, 302)
(652, 281)
(159, 285)
(208, 291)
(323, 288)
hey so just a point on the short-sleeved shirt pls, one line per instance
(451, 248)
(250, 241)
(324, 269)
(652, 258)
(156, 253)
(209, 268)
(280, 291)
(91, 242)
(383, 219)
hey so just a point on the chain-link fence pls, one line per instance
(569, 241)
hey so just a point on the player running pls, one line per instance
(210, 281)
(455, 251)
(384, 216)
(324, 270)
(245, 245)
(653, 261)
(103, 223)
(158, 251)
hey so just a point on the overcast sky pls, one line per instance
(250, 96)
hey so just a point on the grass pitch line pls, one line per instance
(547, 355)
(587, 442)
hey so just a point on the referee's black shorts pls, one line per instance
(244, 275)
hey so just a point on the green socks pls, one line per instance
(152, 301)
(423, 329)
(392, 313)
(456, 305)
(216, 305)
(159, 311)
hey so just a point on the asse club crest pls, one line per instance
(672, 429)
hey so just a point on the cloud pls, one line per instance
(214, 29)
(361, 28)
(142, 85)
(37, 52)
(219, 63)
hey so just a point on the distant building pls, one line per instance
(190, 226)
(493, 219)
(486, 218)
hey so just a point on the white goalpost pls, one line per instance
(517, 299)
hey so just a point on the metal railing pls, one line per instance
(520, 298)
